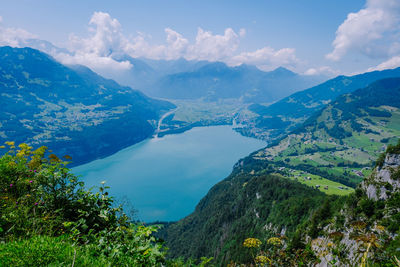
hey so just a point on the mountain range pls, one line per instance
(218, 81)
(210, 80)
(280, 118)
(70, 109)
(286, 188)
(188, 79)
(322, 176)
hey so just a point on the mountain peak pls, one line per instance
(244, 66)
(214, 67)
(283, 71)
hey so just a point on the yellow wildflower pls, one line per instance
(10, 143)
(24, 146)
(262, 259)
(252, 243)
(380, 228)
(359, 225)
(274, 241)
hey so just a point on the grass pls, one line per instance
(196, 110)
(361, 148)
(394, 122)
(47, 251)
(333, 187)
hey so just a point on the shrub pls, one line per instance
(47, 217)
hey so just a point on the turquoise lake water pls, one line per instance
(164, 178)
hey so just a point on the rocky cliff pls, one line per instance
(367, 229)
(385, 180)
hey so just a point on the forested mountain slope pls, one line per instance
(276, 190)
(280, 118)
(70, 109)
(340, 141)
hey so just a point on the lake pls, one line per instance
(164, 178)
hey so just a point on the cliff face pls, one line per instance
(371, 220)
(385, 180)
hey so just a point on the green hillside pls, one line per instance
(280, 118)
(341, 141)
(273, 192)
(241, 206)
(71, 109)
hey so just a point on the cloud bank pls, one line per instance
(106, 42)
(324, 70)
(392, 63)
(13, 36)
(374, 31)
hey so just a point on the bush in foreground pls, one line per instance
(48, 218)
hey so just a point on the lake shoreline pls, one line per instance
(166, 177)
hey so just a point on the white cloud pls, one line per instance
(139, 47)
(98, 63)
(14, 37)
(392, 63)
(372, 31)
(267, 58)
(324, 70)
(213, 47)
(97, 51)
(105, 43)
(177, 44)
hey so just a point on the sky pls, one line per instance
(309, 37)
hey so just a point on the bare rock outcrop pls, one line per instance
(384, 180)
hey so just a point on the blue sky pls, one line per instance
(310, 36)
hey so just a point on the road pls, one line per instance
(160, 121)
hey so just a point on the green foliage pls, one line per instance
(254, 202)
(381, 159)
(45, 207)
(39, 195)
(45, 251)
(61, 251)
(394, 149)
(242, 205)
(304, 105)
